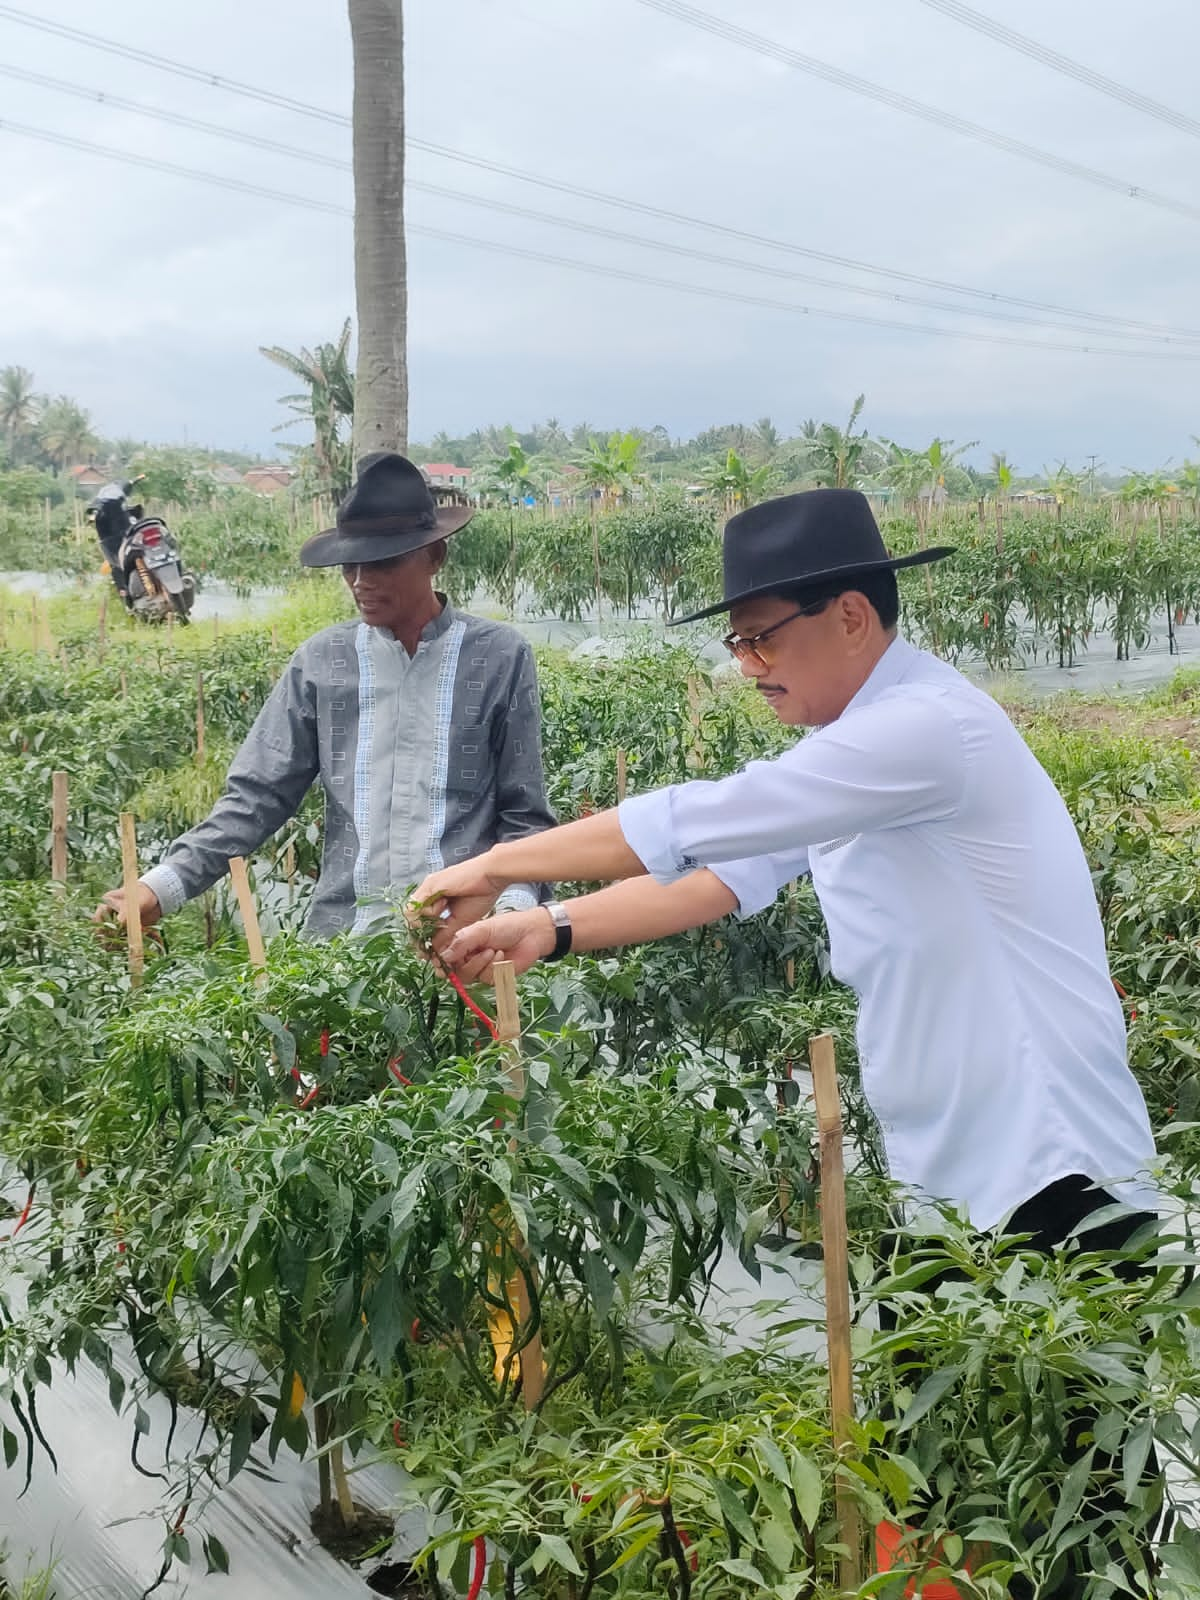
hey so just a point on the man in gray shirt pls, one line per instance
(421, 723)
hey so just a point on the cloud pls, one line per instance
(147, 296)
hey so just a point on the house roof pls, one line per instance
(445, 469)
(84, 471)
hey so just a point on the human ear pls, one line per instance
(435, 554)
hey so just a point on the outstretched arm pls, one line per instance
(627, 913)
(592, 850)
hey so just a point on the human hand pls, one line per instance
(522, 937)
(467, 891)
(110, 914)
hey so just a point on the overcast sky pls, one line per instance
(147, 295)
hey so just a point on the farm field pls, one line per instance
(284, 1219)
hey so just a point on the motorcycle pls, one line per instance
(143, 556)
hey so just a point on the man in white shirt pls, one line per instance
(958, 900)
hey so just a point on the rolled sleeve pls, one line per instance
(647, 822)
(757, 880)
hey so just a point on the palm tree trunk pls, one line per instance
(380, 267)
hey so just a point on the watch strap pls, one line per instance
(563, 931)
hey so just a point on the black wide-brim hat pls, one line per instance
(389, 512)
(802, 541)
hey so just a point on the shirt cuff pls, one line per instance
(752, 880)
(166, 886)
(518, 897)
(646, 822)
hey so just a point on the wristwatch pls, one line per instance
(562, 930)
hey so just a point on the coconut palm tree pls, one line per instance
(766, 436)
(380, 262)
(328, 403)
(19, 407)
(65, 432)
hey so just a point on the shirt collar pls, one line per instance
(432, 630)
(887, 671)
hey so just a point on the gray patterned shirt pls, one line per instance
(424, 761)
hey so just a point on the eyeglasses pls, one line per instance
(742, 646)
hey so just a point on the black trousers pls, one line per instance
(1050, 1217)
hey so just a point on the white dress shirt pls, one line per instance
(961, 912)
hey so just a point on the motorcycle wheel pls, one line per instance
(179, 605)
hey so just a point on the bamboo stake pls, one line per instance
(508, 1022)
(622, 774)
(289, 870)
(199, 719)
(245, 900)
(58, 827)
(124, 686)
(129, 878)
(102, 625)
(837, 1290)
(35, 624)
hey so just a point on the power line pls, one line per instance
(596, 230)
(732, 34)
(1102, 321)
(1065, 64)
(595, 268)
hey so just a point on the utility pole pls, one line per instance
(1092, 476)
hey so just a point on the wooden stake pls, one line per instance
(695, 758)
(124, 686)
(102, 624)
(199, 719)
(245, 900)
(289, 869)
(35, 624)
(837, 1289)
(508, 1022)
(58, 827)
(622, 774)
(129, 880)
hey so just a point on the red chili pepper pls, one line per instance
(396, 1439)
(324, 1041)
(987, 619)
(1119, 989)
(456, 984)
(310, 1097)
(478, 1568)
(693, 1559)
(394, 1069)
(296, 1074)
(1133, 1015)
(24, 1217)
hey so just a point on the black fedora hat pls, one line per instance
(389, 512)
(802, 540)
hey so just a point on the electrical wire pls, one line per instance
(1065, 64)
(596, 230)
(719, 28)
(595, 268)
(1102, 321)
